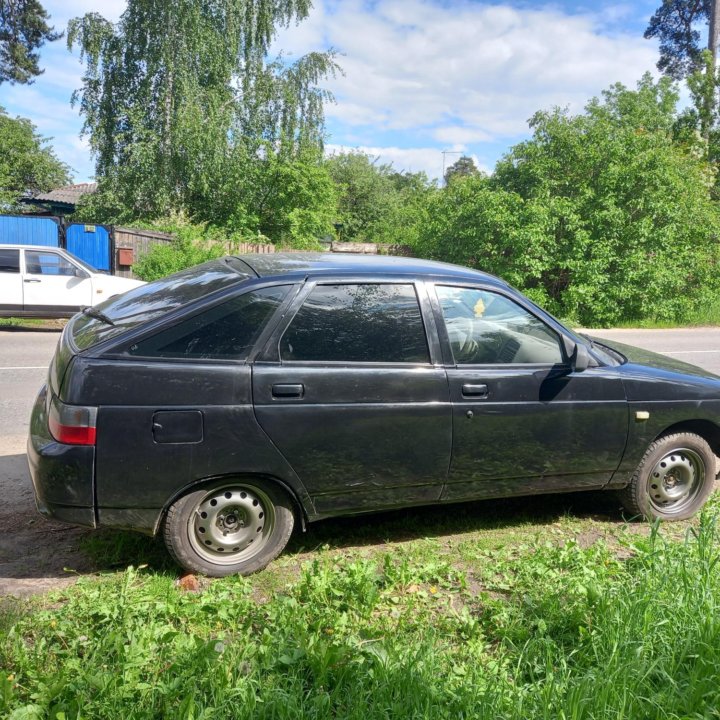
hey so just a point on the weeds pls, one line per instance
(552, 631)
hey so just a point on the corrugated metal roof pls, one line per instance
(68, 195)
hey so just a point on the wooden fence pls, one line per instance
(130, 244)
(334, 247)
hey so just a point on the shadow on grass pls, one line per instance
(437, 521)
(115, 549)
(111, 550)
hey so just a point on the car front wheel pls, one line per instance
(674, 478)
(232, 527)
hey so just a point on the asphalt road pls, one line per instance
(697, 346)
(24, 360)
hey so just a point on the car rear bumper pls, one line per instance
(62, 475)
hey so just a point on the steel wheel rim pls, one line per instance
(231, 523)
(675, 480)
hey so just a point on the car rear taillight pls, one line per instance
(71, 424)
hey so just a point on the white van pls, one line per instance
(48, 282)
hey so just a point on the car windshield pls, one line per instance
(147, 302)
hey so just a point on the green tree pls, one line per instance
(476, 223)
(179, 96)
(601, 216)
(23, 30)
(375, 202)
(27, 164)
(676, 24)
(291, 202)
(464, 166)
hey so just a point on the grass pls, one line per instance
(699, 316)
(32, 323)
(18, 322)
(534, 613)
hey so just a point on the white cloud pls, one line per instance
(420, 76)
(411, 64)
(61, 11)
(428, 159)
(460, 135)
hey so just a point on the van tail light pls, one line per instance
(71, 424)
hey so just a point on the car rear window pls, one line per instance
(226, 331)
(147, 302)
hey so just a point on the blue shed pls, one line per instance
(29, 230)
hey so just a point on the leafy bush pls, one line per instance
(600, 217)
(192, 244)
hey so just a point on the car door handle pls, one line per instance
(291, 390)
(31, 280)
(476, 391)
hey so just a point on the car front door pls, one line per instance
(51, 282)
(522, 421)
(354, 396)
(11, 284)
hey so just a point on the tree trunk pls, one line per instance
(714, 30)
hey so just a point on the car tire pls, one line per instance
(230, 527)
(673, 480)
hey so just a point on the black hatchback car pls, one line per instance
(222, 405)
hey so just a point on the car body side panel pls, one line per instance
(663, 415)
(671, 393)
(140, 468)
(360, 438)
(535, 431)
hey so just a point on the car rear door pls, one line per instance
(11, 284)
(352, 393)
(51, 282)
(522, 422)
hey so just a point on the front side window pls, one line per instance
(368, 322)
(486, 328)
(9, 260)
(48, 263)
(226, 331)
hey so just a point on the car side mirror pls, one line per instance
(578, 355)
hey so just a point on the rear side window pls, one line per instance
(224, 332)
(156, 298)
(9, 261)
(368, 322)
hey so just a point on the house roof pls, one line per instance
(67, 196)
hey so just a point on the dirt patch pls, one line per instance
(35, 554)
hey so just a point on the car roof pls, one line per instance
(315, 263)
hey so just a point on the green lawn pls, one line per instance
(532, 608)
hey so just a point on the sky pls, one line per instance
(420, 77)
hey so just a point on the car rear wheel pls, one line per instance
(673, 480)
(233, 527)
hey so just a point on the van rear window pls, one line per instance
(147, 302)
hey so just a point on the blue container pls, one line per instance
(90, 243)
(29, 230)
